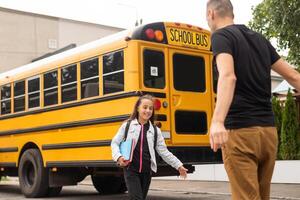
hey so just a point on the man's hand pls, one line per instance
(218, 135)
(122, 162)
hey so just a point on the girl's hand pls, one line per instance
(122, 162)
(183, 172)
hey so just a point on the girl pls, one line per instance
(138, 172)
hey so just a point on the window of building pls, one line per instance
(89, 78)
(50, 88)
(34, 92)
(19, 96)
(113, 72)
(5, 99)
(69, 83)
(188, 73)
(154, 69)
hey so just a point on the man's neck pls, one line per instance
(224, 22)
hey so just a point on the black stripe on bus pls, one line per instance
(88, 163)
(8, 149)
(67, 125)
(8, 164)
(155, 94)
(97, 143)
(91, 101)
(161, 117)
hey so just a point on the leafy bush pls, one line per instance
(277, 109)
(289, 130)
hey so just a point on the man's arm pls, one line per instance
(287, 72)
(225, 92)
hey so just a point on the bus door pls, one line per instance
(190, 97)
(155, 80)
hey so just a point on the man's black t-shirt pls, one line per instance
(253, 56)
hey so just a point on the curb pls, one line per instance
(210, 193)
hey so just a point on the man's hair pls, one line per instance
(223, 8)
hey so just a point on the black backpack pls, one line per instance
(155, 133)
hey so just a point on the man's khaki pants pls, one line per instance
(249, 159)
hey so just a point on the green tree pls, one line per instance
(277, 109)
(280, 19)
(289, 130)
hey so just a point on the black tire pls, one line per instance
(54, 191)
(109, 184)
(33, 177)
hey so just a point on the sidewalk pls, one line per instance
(278, 191)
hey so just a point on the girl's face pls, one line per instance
(145, 109)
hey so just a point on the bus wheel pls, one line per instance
(54, 191)
(33, 177)
(109, 184)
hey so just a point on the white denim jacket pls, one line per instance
(134, 133)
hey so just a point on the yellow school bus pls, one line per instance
(59, 114)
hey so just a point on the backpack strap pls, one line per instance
(155, 136)
(157, 157)
(155, 132)
(126, 129)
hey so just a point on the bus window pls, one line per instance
(19, 96)
(34, 92)
(89, 78)
(113, 72)
(154, 69)
(188, 122)
(189, 73)
(50, 88)
(5, 99)
(69, 83)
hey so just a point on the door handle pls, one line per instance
(176, 100)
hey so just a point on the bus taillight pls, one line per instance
(157, 104)
(158, 124)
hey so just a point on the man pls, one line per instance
(243, 121)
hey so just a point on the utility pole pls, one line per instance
(137, 21)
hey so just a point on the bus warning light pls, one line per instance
(159, 36)
(150, 33)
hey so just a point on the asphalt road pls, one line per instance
(11, 191)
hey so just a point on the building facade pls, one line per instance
(25, 36)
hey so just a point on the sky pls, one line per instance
(124, 13)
